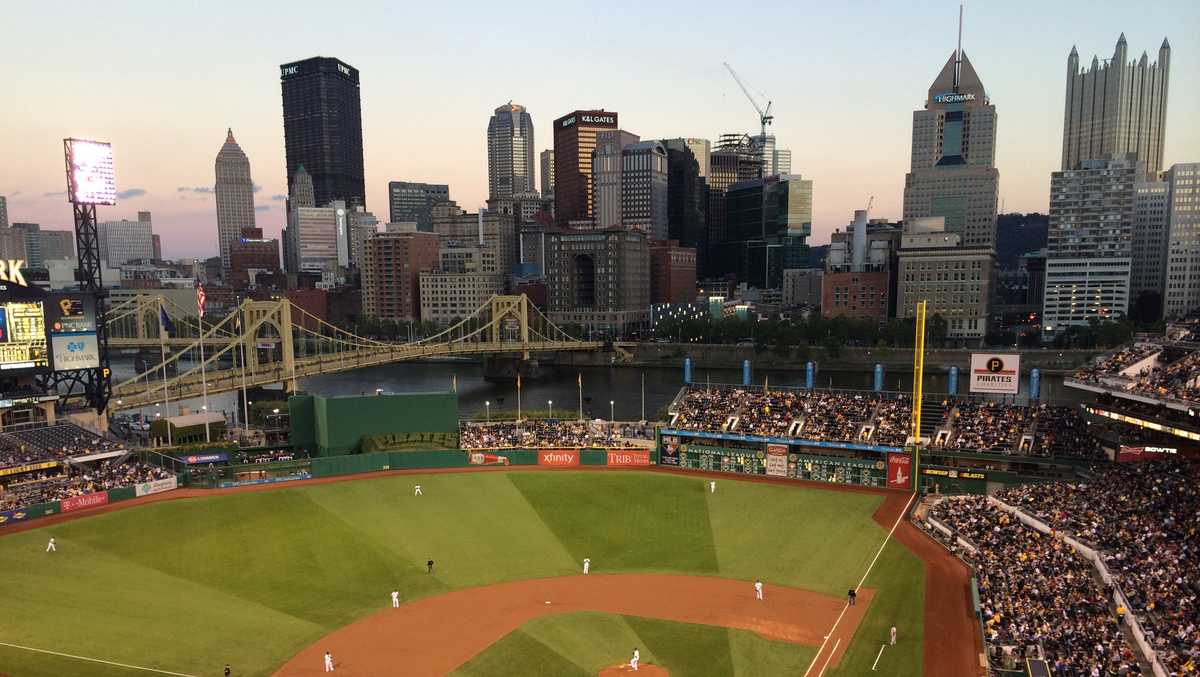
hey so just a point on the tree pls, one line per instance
(936, 330)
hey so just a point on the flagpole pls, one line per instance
(245, 398)
(518, 397)
(203, 370)
(162, 351)
(643, 396)
(581, 396)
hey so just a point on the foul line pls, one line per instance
(830, 656)
(96, 660)
(860, 583)
(877, 657)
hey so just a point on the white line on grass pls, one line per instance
(830, 656)
(877, 657)
(96, 660)
(860, 583)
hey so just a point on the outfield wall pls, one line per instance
(332, 426)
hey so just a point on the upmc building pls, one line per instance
(574, 141)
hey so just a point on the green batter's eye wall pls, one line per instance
(332, 426)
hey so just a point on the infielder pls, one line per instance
(395, 599)
(712, 486)
(50, 547)
(328, 662)
(417, 490)
(637, 656)
(757, 589)
(587, 564)
(893, 635)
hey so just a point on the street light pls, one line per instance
(378, 391)
(488, 405)
(550, 403)
(612, 408)
(275, 411)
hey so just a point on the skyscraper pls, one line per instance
(775, 160)
(644, 188)
(3, 212)
(123, 241)
(510, 152)
(953, 172)
(606, 176)
(322, 127)
(234, 194)
(411, 201)
(1182, 295)
(547, 173)
(733, 160)
(33, 244)
(300, 191)
(1151, 219)
(1116, 107)
(687, 196)
(574, 141)
(1089, 242)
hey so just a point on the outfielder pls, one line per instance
(893, 635)
(417, 490)
(757, 589)
(712, 486)
(395, 599)
(587, 564)
(637, 656)
(50, 547)
(328, 662)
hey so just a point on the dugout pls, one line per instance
(335, 426)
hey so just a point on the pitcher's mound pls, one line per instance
(623, 670)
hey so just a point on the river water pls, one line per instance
(622, 386)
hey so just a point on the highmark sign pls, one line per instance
(953, 97)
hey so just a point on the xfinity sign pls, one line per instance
(953, 97)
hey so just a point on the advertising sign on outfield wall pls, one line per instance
(484, 458)
(559, 458)
(626, 457)
(669, 450)
(992, 373)
(155, 487)
(899, 471)
(85, 501)
(777, 460)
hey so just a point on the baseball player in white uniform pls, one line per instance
(417, 490)
(637, 656)
(587, 564)
(395, 599)
(712, 486)
(50, 547)
(893, 635)
(328, 662)
(757, 589)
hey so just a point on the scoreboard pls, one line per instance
(23, 347)
(40, 332)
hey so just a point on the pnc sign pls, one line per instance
(10, 271)
(953, 97)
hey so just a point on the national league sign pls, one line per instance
(996, 374)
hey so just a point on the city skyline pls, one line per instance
(850, 150)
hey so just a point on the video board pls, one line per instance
(23, 346)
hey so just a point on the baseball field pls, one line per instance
(268, 580)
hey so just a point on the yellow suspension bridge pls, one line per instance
(272, 342)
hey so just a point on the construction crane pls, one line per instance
(764, 116)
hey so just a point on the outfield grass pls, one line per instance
(580, 644)
(251, 578)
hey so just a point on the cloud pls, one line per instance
(279, 198)
(61, 193)
(131, 193)
(263, 208)
(197, 189)
(256, 188)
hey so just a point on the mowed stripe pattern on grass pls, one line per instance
(583, 643)
(251, 578)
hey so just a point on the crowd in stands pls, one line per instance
(1144, 518)
(989, 426)
(540, 434)
(1038, 597)
(1177, 380)
(68, 481)
(56, 442)
(271, 456)
(1113, 364)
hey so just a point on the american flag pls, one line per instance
(200, 297)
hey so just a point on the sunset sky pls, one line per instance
(162, 81)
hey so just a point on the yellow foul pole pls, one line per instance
(918, 391)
